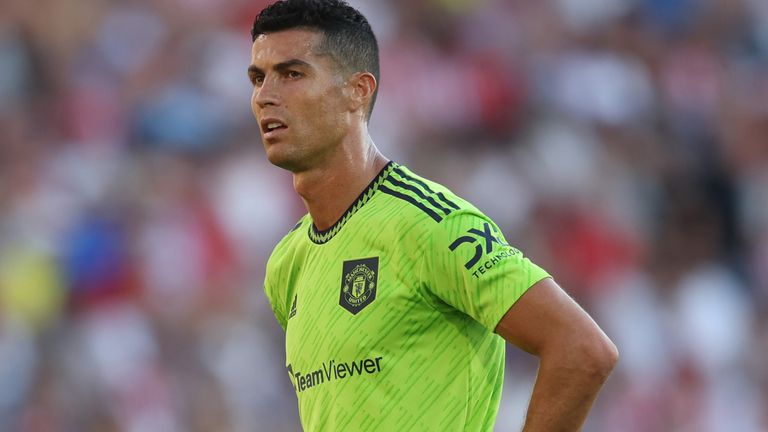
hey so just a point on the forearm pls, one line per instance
(563, 395)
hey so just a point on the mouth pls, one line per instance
(270, 127)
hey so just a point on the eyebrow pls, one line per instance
(253, 69)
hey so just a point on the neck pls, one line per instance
(328, 190)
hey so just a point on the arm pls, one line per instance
(575, 356)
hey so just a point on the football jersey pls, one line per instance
(389, 315)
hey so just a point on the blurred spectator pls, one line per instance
(621, 144)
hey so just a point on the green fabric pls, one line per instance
(389, 315)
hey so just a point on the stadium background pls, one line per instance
(622, 144)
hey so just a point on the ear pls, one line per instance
(362, 86)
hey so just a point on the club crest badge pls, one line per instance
(358, 284)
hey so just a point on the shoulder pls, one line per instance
(421, 199)
(457, 221)
(432, 201)
(283, 252)
(431, 219)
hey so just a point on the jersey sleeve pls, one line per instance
(469, 265)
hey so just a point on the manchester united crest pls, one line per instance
(358, 284)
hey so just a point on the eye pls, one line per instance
(294, 74)
(256, 79)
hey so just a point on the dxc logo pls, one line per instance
(476, 236)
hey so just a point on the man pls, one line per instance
(396, 295)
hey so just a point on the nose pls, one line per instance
(266, 94)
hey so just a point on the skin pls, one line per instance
(575, 356)
(326, 145)
(332, 157)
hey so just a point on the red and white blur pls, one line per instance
(622, 144)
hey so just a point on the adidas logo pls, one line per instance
(293, 307)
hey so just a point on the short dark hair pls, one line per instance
(348, 37)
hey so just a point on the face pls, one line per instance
(300, 99)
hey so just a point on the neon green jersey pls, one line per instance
(389, 314)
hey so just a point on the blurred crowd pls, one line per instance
(622, 144)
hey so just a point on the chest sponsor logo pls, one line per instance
(358, 284)
(332, 371)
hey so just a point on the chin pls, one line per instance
(283, 161)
